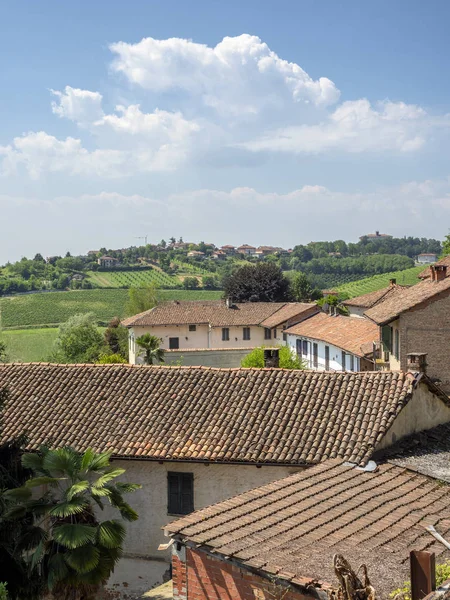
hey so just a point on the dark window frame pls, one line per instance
(192, 327)
(298, 346)
(225, 334)
(246, 335)
(352, 362)
(327, 358)
(397, 344)
(180, 493)
(343, 360)
(267, 333)
(315, 355)
(174, 345)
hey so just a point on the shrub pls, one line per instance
(287, 359)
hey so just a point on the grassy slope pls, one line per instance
(29, 345)
(56, 307)
(377, 282)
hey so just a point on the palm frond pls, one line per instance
(84, 559)
(100, 461)
(126, 488)
(74, 535)
(107, 477)
(62, 461)
(77, 488)
(38, 554)
(44, 480)
(31, 538)
(111, 534)
(32, 461)
(20, 493)
(57, 570)
(71, 507)
(127, 512)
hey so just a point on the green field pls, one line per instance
(118, 279)
(29, 345)
(377, 282)
(33, 310)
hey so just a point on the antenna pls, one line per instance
(142, 237)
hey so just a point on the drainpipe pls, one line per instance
(209, 335)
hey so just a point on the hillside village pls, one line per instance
(252, 479)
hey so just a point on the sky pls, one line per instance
(229, 122)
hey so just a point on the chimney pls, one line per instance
(377, 233)
(392, 282)
(438, 272)
(416, 362)
(229, 302)
(272, 358)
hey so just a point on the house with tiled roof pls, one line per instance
(358, 305)
(333, 342)
(427, 258)
(280, 540)
(246, 249)
(196, 436)
(416, 320)
(443, 262)
(215, 325)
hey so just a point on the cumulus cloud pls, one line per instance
(355, 126)
(239, 75)
(81, 106)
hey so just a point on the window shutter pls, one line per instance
(173, 494)
(187, 493)
(386, 338)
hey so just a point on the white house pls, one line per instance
(216, 325)
(426, 258)
(195, 436)
(334, 343)
(107, 261)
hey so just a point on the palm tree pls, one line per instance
(150, 348)
(74, 551)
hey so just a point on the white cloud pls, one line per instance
(355, 126)
(239, 75)
(81, 106)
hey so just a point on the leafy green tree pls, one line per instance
(111, 359)
(150, 348)
(116, 339)
(74, 551)
(263, 282)
(446, 245)
(141, 299)
(331, 300)
(209, 282)
(3, 593)
(3, 352)
(79, 340)
(287, 360)
(301, 288)
(190, 283)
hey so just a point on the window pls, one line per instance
(327, 358)
(192, 327)
(305, 348)
(274, 334)
(180, 493)
(246, 333)
(352, 362)
(343, 361)
(284, 337)
(386, 338)
(225, 334)
(298, 347)
(397, 344)
(315, 355)
(267, 333)
(174, 343)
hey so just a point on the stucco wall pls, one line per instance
(427, 329)
(335, 355)
(142, 566)
(208, 358)
(423, 411)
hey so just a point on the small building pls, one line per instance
(416, 319)
(196, 254)
(280, 540)
(376, 236)
(196, 436)
(265, 250)
(228, 249)
(218, 255)
(216, 324)
(443, 262)
(426, 258)
(357, 306)
(328, 342)
(246, 250)
(107, 262)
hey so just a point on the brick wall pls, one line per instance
(427, 329)
(203, 577)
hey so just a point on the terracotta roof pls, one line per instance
(292, 528)
(198, 413)
(214, 312)
(404, 299)
(372, 298)
(292, 311)
(427, 271)
(352, 334)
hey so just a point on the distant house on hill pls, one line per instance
(427, 258)
(196, 436)
(247, 250)
(107, 262)
(228, 249)
(376, 236)
(196, 254)
(216, 325)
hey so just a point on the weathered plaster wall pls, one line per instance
(423, 411)
(224, 358)
(143, 565)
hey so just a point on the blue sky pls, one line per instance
(257, 122)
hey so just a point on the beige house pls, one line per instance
(196, 436)
(216, 325)
(107, 261)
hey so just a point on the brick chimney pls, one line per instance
(416, 362)
(438, 272)
(272, 358)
